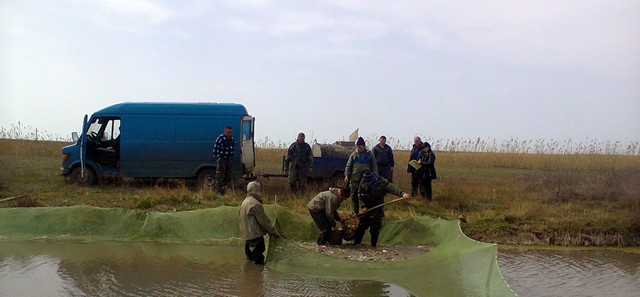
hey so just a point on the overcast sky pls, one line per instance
(439, 69)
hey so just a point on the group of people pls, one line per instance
(298, 163)
(368, 178)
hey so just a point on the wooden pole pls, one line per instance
(11, 198)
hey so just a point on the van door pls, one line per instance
(247, 150)
(83, 146)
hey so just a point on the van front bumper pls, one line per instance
(64, 171)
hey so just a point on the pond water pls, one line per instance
(156, 269)
(45, 268)
(571, 273)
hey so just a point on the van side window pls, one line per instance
(111, 130)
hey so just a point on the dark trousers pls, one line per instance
(254, 248)
(416, 177)
(322, 222)
(297, 179)
(373, 221)
(425, 188)
(223, 174)
(385, 171)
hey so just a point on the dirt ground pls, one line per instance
(365, 252)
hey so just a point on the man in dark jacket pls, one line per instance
(415, 152)
(324, 210)
(384, 158)
(223, 152)
(372, 190)
(297, 163)
(427, 170)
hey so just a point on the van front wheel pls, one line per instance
(207, 179)
(89, 177)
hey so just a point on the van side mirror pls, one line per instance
(74, 136)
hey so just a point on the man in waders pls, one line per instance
(254, 224)
(324, 211)
(372, 190)
(297, 163)
(359, 161)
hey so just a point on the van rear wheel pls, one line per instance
(337, 181)
(207, 179)
(89, 177)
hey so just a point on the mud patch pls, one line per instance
(362, 253)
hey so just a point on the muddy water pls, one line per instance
(155, 269)
(571, 273)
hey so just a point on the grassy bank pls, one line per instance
(518, 199)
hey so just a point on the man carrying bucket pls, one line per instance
(324, 211)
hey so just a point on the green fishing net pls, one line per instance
(455, 266)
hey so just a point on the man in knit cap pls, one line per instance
(373, 188)
(359, 161)
(254, 224)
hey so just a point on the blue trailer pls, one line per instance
(159, 140)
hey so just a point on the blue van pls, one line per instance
(158, 140)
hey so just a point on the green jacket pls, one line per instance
(358, 163)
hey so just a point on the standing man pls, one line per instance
(373, 188)
(415, 177)
(427, 170)
(359, 161)
(297, 163)
(324, 211)
(384, 159)
(254, 224)
(223, 151)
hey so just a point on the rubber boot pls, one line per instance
(324, 237)
(374, 239)
(358, 236)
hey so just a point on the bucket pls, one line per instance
(336, 237)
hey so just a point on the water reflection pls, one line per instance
(571, 273)
(155, 269)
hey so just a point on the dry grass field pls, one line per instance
(507, 198)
